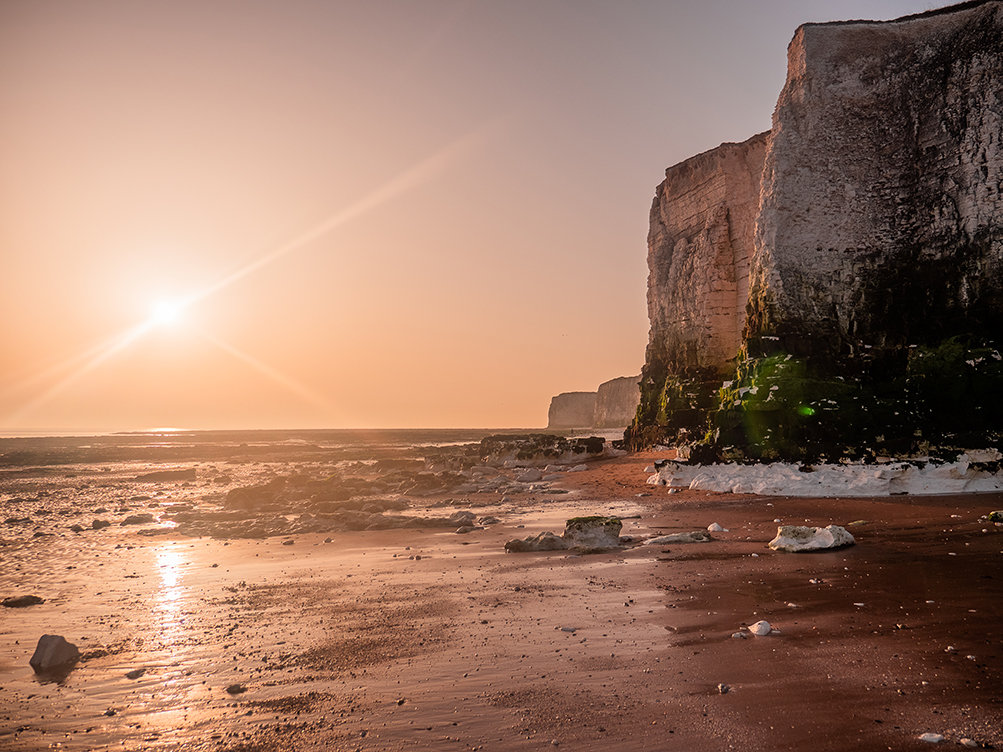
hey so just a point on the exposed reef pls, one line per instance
(874, 305)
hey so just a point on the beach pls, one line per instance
(431, 636)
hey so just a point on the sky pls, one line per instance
(341, 214)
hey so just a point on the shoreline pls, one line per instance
(353, 642)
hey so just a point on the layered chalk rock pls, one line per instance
(572, 410)
(795, 538)
(616, 402)
(869, 225)
(700, 246)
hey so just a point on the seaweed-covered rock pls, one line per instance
(593, 532)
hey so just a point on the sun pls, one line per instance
(165, 313)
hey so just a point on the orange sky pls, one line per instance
(380, 214)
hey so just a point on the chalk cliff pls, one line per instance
(572, 410)
(875, 266)
(616, 402)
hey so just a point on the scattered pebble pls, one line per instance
(135, 673)
(236, 689)
(931, 737)
(723, 689)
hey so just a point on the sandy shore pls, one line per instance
(402, 639)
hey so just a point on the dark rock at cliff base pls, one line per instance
(834, 288)
(53, 653)
(538, 448)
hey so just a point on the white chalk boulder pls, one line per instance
(797, 538)
(761, 628)
(53, 653)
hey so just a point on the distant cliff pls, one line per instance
(616, 402)
(874, 303)
(572, 410)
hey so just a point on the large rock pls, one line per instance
(616, 402)
(572, 410)
(869, 223)
(795, 538)
(53, 653)
(593, 532)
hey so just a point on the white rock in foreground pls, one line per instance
(796, 538)
(761, 628)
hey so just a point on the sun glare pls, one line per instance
(165, 313)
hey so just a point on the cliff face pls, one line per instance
(700, 246)
(880, 220)
(875, 295)
(572, 410)
(616, 402)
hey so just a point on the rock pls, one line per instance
(795, 538)
(593, 532)
(99, 524)
(236, 689)
(739, 636)
(166, 475)
(723, 689)
(135, 673)
(572, 410)
(996, 516)
(616, 402)
(543, 542)
(138, 519)
(532, 475)
(76, 528)
(22, 601)
(578, 468)
(715, 528)
(53, 653)
(697, 536)
(761, 628)
(931, 738)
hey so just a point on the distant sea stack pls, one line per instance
(834, 287)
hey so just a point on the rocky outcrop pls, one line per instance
(616, 402)
(700, 246)
(875, 294)
(572, 410)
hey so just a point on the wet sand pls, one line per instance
(358, 643)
